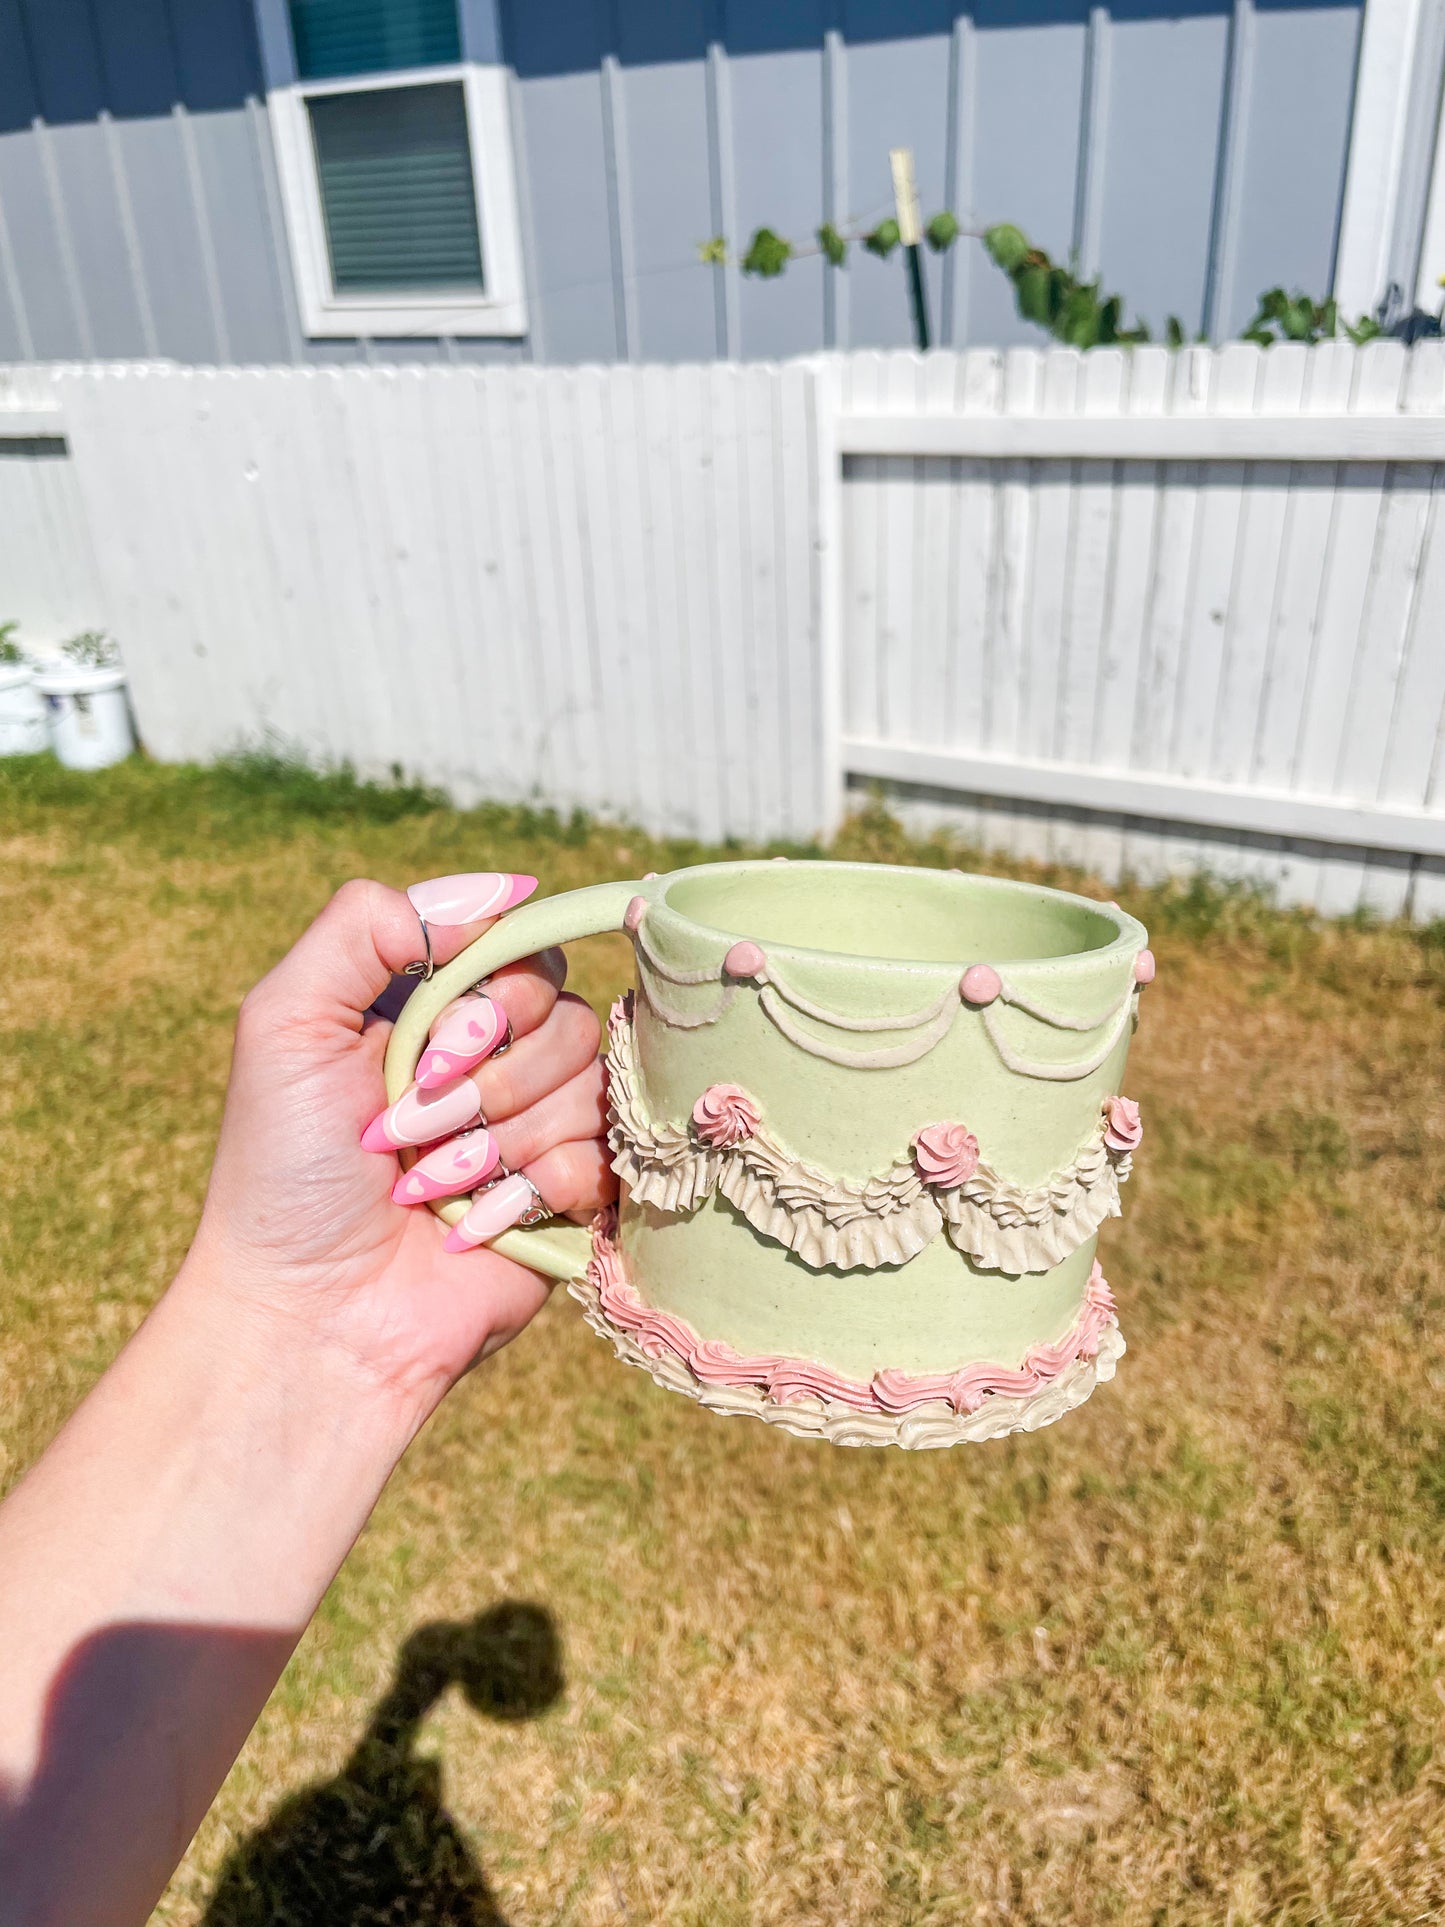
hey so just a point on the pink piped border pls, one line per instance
(789, 1379)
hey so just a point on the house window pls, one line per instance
(394, 150)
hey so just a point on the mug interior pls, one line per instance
(903, 915)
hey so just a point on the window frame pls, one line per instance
(500, 309)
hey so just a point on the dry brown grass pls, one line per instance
(1180, 1658)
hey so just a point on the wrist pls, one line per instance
(272, 1355)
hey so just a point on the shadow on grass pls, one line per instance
(375, 1847)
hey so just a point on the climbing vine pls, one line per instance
(1285, 317)
(1073, 311)
(1046, 292)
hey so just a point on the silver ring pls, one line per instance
(537, 1213)
(480, 986)
(422, 967)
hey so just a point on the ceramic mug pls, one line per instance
(868, 1120)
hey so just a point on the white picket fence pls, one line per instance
(1144, 610)
(595, 587)
(1199, 596)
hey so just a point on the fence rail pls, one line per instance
(1137, 609)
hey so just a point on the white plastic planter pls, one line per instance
(22, 712)
(88, 714)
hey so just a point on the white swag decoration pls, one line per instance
(890, 1218)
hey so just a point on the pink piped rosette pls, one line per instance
(945, 1154)
(1122, 1129)
(724, 1116)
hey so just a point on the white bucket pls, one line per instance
(89, 717)
(22, 712)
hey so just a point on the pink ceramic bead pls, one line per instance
(981, 984)
(744, 959)
(1144, 967)
(634, 913)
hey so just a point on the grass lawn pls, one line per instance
(1178, 1659)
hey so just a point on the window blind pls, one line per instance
(395, 171)
(336, 37)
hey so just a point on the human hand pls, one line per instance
(309, 1230)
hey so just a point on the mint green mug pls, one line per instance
(868, 1120)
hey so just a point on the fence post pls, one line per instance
(826, 389)
(1389, 33)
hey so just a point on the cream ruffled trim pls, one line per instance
(1000, 1225)
(924, 1428)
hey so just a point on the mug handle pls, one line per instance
(557, 1249)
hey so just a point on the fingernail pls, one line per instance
(469, 897)
(492, 1213)
(419, 1116)
(458, 1166)
(463, 1038)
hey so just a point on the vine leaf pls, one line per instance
(1032, 289)
(883, 240)
(768, 254)
(714, 252)
(1007, 246)
(833, 244)
(942, 231)
(1282, 316)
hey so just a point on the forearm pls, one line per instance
(211, 1485)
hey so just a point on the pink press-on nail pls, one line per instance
(459, 1166)
(418, 1117)
(495, 1211)
(469, 897)
(468, 1032)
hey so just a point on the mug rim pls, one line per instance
(1130, 937)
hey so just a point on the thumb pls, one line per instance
(368, 933)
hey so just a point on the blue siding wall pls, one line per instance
(1167, 89)
(1193, 151)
